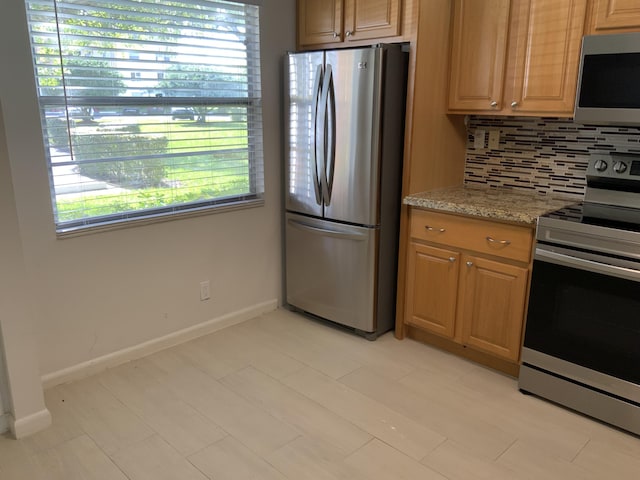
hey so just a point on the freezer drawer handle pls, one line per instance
(327, 232)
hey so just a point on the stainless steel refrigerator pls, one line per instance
(345, 132)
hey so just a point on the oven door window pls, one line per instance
(586, 318)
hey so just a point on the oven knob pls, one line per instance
(619, 167)
(600, 165)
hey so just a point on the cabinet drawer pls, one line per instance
(483, 236)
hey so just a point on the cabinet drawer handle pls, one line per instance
(452, 259)
(501, 242)
(431, 229)
(469, 264)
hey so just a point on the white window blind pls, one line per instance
(149, 107)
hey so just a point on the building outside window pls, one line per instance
(149, 107)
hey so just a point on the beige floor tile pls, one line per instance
(11, 449)
(513, 415)
(368, 414)
(330, 360)
(356, 347)
(155, 459)
(177, 422)
(610, 461)
(63, 426)
(250, 424)
(444, 417)
(228, 459)
(103, 417)
(310, 418)
(378, 461)
(205, 358)
(424, 357)
(533, 463)
(300, 400)
(77, 459)
(304, 459)
(456, 462)
(230, 350)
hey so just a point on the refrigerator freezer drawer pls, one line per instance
(331, 270)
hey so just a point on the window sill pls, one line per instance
(77, 231)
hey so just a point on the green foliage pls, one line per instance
(91, 77)
(57, 132)
(148, 172)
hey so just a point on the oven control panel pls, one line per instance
(615, 166)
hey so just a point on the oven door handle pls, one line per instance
(588, 265)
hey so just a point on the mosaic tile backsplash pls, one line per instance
(544, 155)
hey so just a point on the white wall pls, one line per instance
(22, 389)
(97, 294)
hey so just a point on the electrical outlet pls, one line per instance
(478, 139)
(205, 290)
(494, 139)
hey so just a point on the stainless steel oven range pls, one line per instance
(582, 337)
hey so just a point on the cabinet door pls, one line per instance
(432, 286)
(493, 301)
(612, 15)
(544, 56)
(478, 51)
(319, 21)
(370, 19)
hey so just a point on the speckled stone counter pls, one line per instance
(496, 204)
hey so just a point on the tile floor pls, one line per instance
(282, 397)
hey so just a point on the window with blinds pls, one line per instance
(149, 107)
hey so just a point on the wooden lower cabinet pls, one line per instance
(466, 299)
(432, 283)
(492, 308)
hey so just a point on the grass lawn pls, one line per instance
(202, 161)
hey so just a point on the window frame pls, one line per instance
(128, 218)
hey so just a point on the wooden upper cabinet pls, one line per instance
(539, 69)
(545, 55)
(333, 21)
(614, 16)
(319, 21)
(369, 19)
(480, 32)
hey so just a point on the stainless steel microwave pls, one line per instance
(609, 80)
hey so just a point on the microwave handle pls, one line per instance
(587, 265)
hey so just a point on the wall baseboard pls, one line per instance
(25, 426)
(110, 360)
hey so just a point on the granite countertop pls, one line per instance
(491, 203)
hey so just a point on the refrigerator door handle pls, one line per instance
(316, 144)
(327, 232)
(323, 124)
(331, 137)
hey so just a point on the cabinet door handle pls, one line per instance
(494, 104)
(514, 104)
(469, 264)
(335, 34)
(452, 259)
(431, 229)
(348, 33)
(501, 242)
